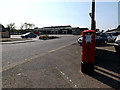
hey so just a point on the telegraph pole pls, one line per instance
(93, 23)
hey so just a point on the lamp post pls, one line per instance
(93, 23)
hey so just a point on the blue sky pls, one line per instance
(51, 13)
(119, 13)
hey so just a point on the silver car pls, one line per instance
(80, 40)
(29, 35)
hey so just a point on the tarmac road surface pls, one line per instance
(59, 66)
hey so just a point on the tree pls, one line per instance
(11, 26)
(32, 26)
(22, 26)
(28, 26)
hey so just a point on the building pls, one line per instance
(4, 32)
(114, 30)
(3, 29)
(60, 30)
(78, 31)
(55, 30)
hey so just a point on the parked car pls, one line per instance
(117, 44)
(29, 35)
(80, 40)
(101, 39)
(112, 36)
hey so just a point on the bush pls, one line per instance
(45, 37)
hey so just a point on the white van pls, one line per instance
(117, 44)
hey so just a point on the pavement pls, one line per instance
(15, 40)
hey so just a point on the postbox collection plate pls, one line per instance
(88, 37)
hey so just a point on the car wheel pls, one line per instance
(102, 43)
(26, 36)
(22, 37)
(117, 48)
(105, 42)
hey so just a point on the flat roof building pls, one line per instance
(61, 30)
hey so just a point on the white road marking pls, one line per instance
(67, 79)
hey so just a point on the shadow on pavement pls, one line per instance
(107, 45)
(108, 60)
(107, 68)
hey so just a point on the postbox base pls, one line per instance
(87, 68)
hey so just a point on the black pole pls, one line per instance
(93, 23)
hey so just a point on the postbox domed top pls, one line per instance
(88, 31)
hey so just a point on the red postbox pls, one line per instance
(88, 51)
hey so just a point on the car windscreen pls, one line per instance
(97, 34)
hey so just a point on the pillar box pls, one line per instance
(88, 51)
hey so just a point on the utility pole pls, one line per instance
(93, 23)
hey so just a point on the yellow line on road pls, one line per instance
(34, 57)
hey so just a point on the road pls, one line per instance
(56, 64)
(13, 54)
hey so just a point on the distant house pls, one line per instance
(78, 31)
(3, 29)
(114, 30)
(55, 30)
(4, 32)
